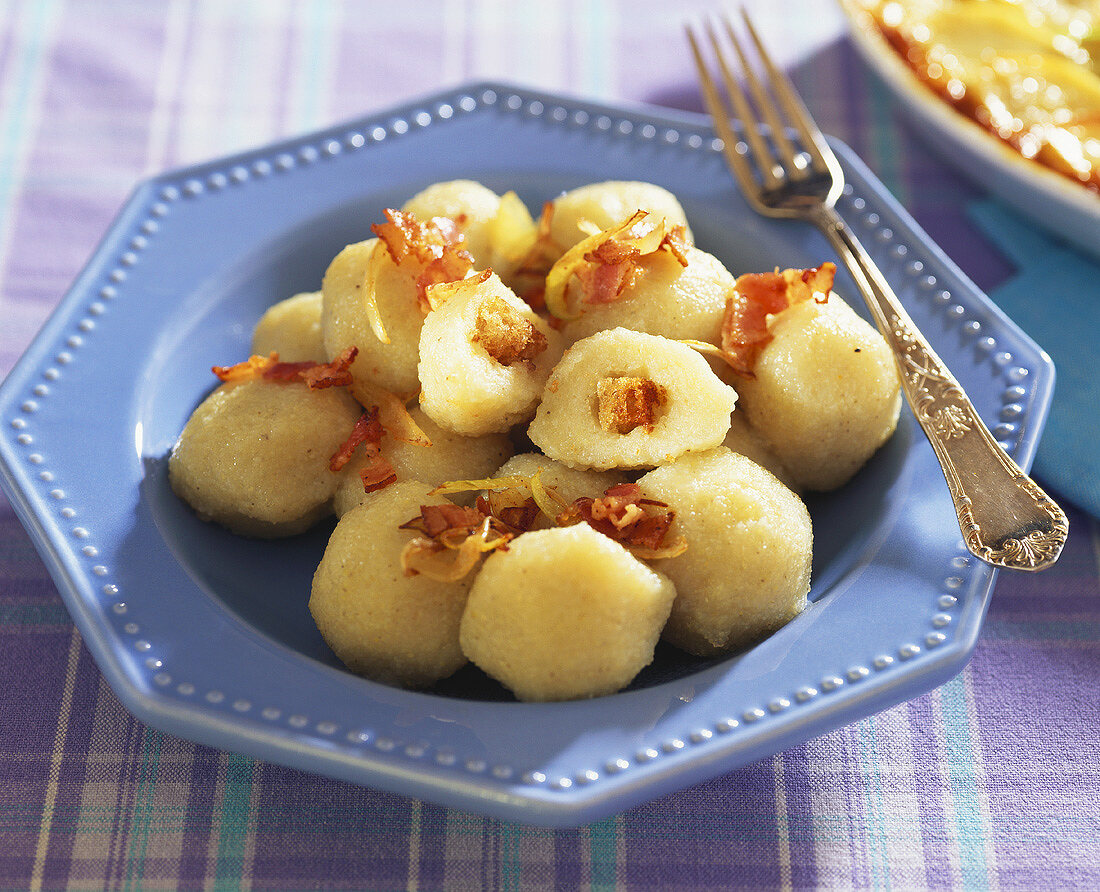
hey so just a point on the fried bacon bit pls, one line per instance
(435, 247)
(519, 517)
(368, 432)
(625, 403)
(451, 542)
(315, 375)
(758, 296)
(606, 263)
(622, 513)
(506, 336)
(512, 505)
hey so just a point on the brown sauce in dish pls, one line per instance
(1028, 71)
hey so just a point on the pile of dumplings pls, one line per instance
(549, 441)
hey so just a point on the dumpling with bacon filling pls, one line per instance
(564, 613)
(373, 296)
(292, 329)
(639, 274)
(625, 399)
(815, 379)
(484, 356)
(255, 455)
(381, 621)
(746, 571)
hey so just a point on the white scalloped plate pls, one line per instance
(1039, 193)
(207, 635)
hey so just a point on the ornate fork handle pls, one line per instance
(1005, 517)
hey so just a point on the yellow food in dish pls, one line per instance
(1027, 71)
(546, 513)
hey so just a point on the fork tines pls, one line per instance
(778, 133)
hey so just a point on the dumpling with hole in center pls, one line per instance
(484, 356)
(626, 399)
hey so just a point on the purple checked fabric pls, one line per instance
(990, 782)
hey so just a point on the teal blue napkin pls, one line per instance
(1055, 297)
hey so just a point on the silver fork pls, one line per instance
(786, 169)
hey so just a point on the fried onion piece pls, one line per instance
(623, 514)
(433, 248)
(315, 375)
(515, 500)
(399, 423)
(758, 296)
(606, 263)
(451, 542)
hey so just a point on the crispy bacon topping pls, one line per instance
(625, 403)
(758, 296)
(377, 473)
(316, 375)
(506, 336)
(606, 263)
(622, 513)
(434, 248)
(451, 542)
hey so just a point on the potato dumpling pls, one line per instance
(826, 394)
(292, 328)
(625, 399)
(748, 441)
(381, 623)
(469, 204)
(570, 483)
(666, 299)
(564, 613)
(607, 203)
(254, 456)
(345, 322)
(450, 457)
(484, 356)
(746, 571)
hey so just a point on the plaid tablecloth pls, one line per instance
(991, 781)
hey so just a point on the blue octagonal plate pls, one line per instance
(208, 636)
